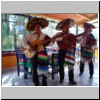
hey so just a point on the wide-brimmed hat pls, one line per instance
(88, 25)
(68, 21)
(32, 22)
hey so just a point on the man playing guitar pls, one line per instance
(34, 27)
(65, 40)
(88, 42)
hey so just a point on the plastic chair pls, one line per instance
(54, 64)
(28, 65)
(20, 58)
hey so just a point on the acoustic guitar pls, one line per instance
(36, 46)
(67, 41)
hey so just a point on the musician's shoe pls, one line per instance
(72, 83)
(91, 76)
(61, 81)
(36, 84)
(44, 80)
(80, 74)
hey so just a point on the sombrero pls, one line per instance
(88, 25)
(30, 25)
(68, 21)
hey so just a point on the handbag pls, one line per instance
(43, 61)
(70, 56)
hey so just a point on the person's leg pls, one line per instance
(81, 67)
(44, 80)
(35, 75)
(81, 62)
(91, 68)
(71, 76)
(61, 57)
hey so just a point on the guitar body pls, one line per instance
(62, 46)
(67, 41)
(30, 54)
(37, 42)
(90, 41)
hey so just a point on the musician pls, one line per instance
(85, 41)
(34, 27)
(64, 26)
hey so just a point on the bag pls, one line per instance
(43, 61)
(70, 56)
(87, 54)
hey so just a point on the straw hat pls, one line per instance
(30, 25)
(88, 25)
(68, 21)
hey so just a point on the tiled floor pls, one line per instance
(10, 77)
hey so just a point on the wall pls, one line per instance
(8, 60)
(96, 53)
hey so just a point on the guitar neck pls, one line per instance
(44, 42)
(78, 35)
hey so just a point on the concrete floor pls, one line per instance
(10, 77)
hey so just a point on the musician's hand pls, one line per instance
(53, 39)
(35, 47)
(30, 49)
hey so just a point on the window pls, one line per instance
(13, 30)
(80, 30)
(95, 31)
(50, 30)
(73, 30)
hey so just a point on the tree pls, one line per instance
(10, 38)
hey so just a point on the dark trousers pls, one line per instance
(61, 58)
(44, 80)
(90, 63)
(91, 67)
(34, 65)
(34, 61)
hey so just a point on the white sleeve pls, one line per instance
(58, 38)
(25, 41)
(50, 44)
(80, 39)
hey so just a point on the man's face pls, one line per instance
(65, 27)
(87, 29)
(37, 27)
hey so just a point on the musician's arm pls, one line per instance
(25, 41)
(57, 37)
(95, 43)
(95, 40)
(48, 43)
(79, 38)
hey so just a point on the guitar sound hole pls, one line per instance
(69, 40)
(36, 47)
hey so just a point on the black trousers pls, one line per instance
(61, 58)
(91, 67)
(34, 61)
(90, 63)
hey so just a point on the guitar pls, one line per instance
(86, 41)
(37, 46)
(67, 41)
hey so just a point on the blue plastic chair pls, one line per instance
(28, 65)
(54, 64)
(23, 63)
(20, 58)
